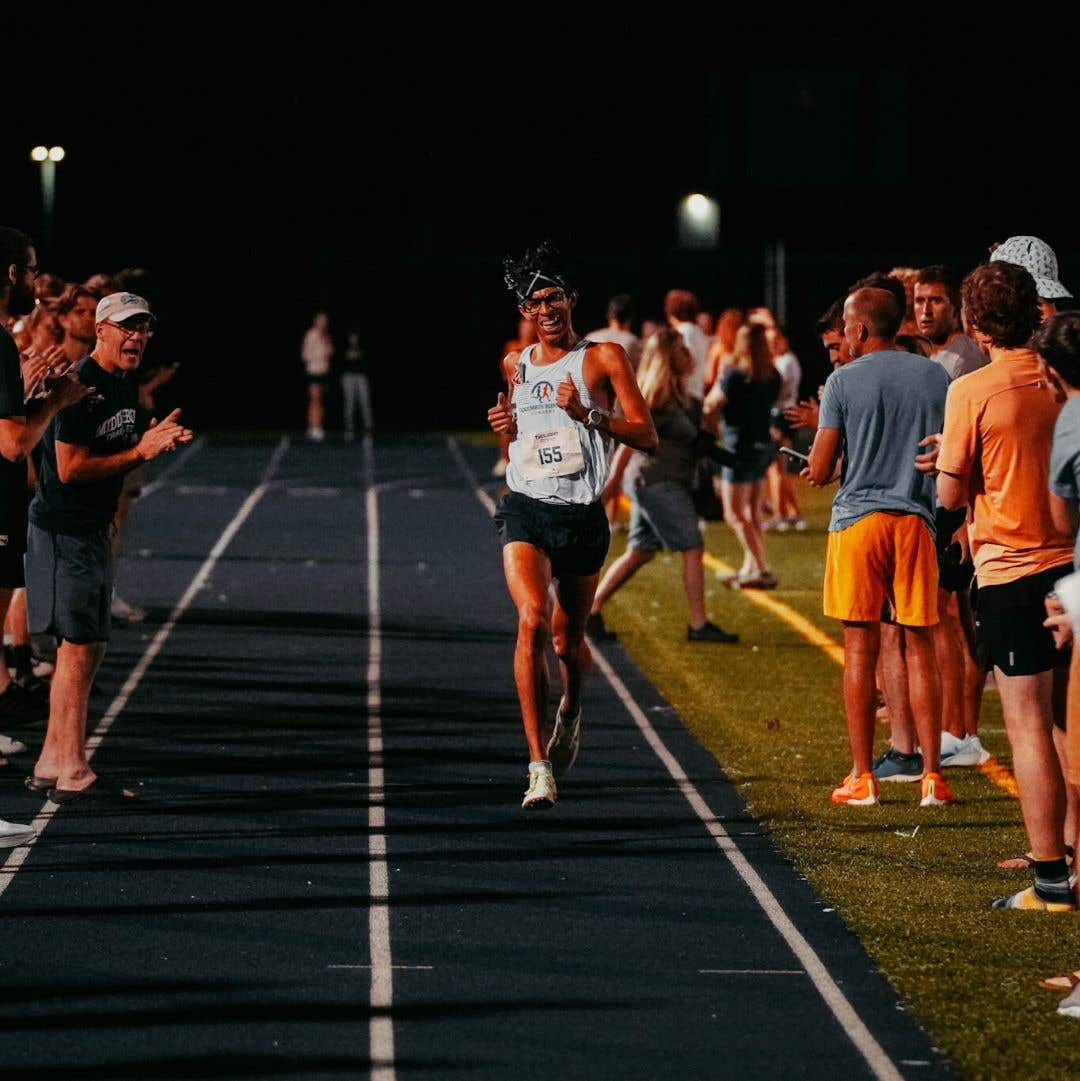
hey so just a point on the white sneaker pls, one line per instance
(316, 435)
(10, 746)
(968, 751)
(12, 835)
(541, 793)
(565, 742)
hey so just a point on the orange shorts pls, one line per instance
(1072, 720)
(882, 556)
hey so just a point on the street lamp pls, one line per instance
(47, 157)
(699, 221)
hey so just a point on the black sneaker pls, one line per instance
(710, 632)
(18, 706)
(598, 631)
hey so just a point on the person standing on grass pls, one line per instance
(993, 456)
(85, 454)
(558, 413)
(1058, 343)
(874, 413)
(662, 514)
(744, 398)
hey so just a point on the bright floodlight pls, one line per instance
(699, 221)
(39, 153)
(56, 153)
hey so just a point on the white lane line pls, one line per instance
(751, 972)
(185, 456)
(381, 1028)
(398, 968)
(18, 855)
(879, 1062)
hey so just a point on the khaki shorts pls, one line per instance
(882, 557)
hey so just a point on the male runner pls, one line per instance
(551, 522)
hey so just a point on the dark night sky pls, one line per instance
(384, 177)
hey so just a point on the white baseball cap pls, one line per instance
(117, 307)
(1038, 259)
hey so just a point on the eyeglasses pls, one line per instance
(532, 305)
(130, 329)
(34, 271)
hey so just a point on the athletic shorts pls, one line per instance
(574, 536)
(1009, 625)
(751, 463)
(12, 549)
(662, 515)
(882, 557)
(69, 585)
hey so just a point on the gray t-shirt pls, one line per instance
(959, 356)
(1065, 459)
(884, 403)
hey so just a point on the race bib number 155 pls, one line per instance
(551, 454)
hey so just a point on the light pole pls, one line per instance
(47, 158)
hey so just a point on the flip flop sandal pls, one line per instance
(99, 790)
(39, 784)
(1027, 861)
(1020, 862)
(1065, 982)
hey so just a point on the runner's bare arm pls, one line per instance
(952, 491)
(609, 375)
(501, 414)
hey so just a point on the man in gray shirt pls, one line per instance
(937, 313)
(875, 411)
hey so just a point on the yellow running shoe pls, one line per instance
(541, 793)
(935, 792)
(857, 791)
(1029, 901)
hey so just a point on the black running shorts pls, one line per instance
(1009, 625)
(574, 536)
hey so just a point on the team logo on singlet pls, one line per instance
(543, 392)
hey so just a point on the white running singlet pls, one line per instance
(554, 459)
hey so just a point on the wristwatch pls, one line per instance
(595, 417)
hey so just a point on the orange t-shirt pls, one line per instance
(999, 424)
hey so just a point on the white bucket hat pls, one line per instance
(1038, 259)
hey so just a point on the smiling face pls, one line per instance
(120, 346)
(935, 315)
(548, 309)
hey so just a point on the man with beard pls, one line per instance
(558, 414)
(21, 426)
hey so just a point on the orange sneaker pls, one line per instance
(935, 792)
(857, 791)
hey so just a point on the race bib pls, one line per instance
(551, 454)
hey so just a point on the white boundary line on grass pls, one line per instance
(381, 1026)
(879, 1062)
(18, 855)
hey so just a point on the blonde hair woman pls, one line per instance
(743, 400)
(662, 511)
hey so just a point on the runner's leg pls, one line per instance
(528, 578)
(574, 598)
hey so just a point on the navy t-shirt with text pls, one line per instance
(13, 490)
(106, 427)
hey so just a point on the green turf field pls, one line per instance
(770, 710)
